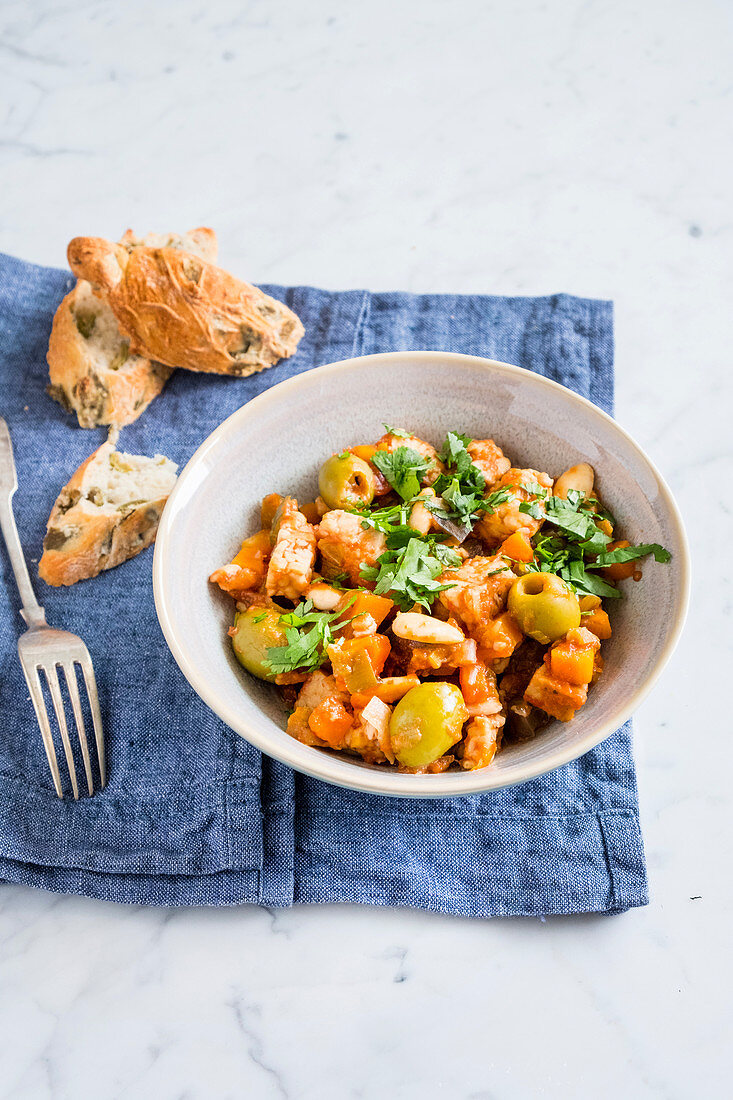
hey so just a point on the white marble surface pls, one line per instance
(480, 146)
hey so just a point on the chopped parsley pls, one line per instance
(462, 486)
(408, 568)
(630, 553)
(388, 519)
(398, 433)
(403, 468)
(454, 453)
(308, 634)
(577, 549)
(459, 466)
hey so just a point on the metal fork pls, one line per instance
(43, 648)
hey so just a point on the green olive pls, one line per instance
(255, 631)
(346, 481)
(543, 606)
(426, 722)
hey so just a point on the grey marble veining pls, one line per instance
(490, 147)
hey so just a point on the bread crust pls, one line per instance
(182, 311)
(202, 241)
(97, 395)
(110, 392)
(80, 544)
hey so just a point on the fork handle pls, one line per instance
(31, 610)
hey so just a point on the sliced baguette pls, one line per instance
(92, 370)
(108, 512)
(184, 312)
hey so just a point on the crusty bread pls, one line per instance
(93, 372)
(202, 242)
(108, 512)
(184, 312)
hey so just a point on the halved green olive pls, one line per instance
(346, 481)
(426, 722)
(543, 606)
(255, 631)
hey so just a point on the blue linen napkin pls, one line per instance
(194, 815)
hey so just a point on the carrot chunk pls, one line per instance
(598, 623)
(517, 547)
(573, 666)
(330, 720)
(474, 684)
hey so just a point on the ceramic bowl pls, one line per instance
(277, 442)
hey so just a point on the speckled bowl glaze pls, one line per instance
(277, 442)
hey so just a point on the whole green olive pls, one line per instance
(426, 722)
(543, 606)
(255, 631)
(346, 481)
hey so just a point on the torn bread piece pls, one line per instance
(108, 512)
(92, 369)
(202, 242)
(180, 310)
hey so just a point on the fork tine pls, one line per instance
(39, 705)
(91, 683)
(71, 683)
(58, 706)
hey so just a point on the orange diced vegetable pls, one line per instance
(598, 623)
(365, 603)
(572, 660)
(623, 569)
(270, 505)
(501, 636)
(574, 666)
(330, 720)
(311, 513)
(517, 547)
(248, 569)
(553, 696)
(357, 662)
(474, 684)
(365, 451)
(254, 550)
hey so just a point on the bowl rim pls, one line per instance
(447, 784)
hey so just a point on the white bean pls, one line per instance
(420, 518)
(324, 597)
(424, 628)
(580, 477)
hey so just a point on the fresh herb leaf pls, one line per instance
(454, 449)
(399, 433)
(493, 500)
(403, 468)
(463, 485)
(408, 571)
(462, 506)
(459, 464)
(587, 584)
(630, 553)
(569, 518)
(596, 544)
(537, 490)
(308, 634)
(578, 548)
(260, 618)
(531, 508)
